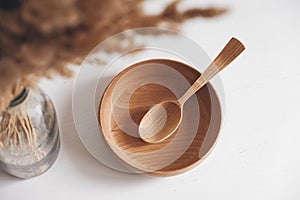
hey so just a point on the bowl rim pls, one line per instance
(158, 172)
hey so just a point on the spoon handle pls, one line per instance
(232, 50)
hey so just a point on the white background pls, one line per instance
(257, 154)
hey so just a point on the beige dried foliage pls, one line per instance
(39, 38)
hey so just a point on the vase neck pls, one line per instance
(20, 98)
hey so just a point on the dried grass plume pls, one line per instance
(38, 38)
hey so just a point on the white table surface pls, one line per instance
(257, 154)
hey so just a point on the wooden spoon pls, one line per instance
(163, 119)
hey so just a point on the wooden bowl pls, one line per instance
(130, 95)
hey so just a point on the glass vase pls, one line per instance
(29, 135)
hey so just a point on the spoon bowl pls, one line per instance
(167, 116)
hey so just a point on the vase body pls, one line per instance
(29, 135)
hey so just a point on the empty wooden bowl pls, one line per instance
(142, 85)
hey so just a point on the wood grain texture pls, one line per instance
(186, 147)
(231, 51)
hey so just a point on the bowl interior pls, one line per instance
(130, 95)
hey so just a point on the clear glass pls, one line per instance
(103, 64)
(29, 135)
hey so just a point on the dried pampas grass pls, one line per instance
(38, 38)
